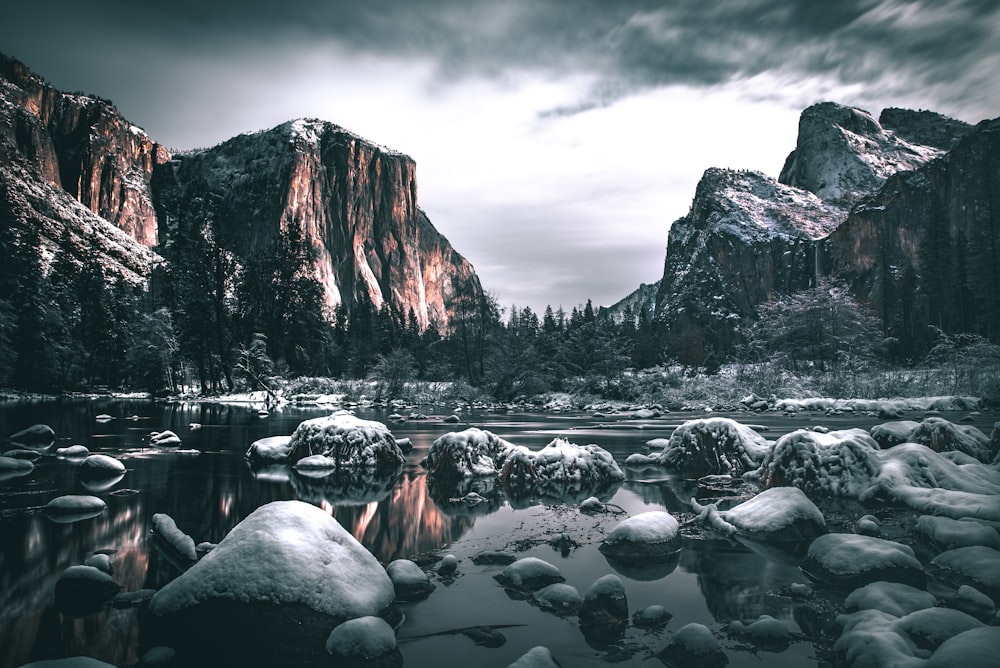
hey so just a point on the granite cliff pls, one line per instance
(72, 168)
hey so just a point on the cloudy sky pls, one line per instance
(556, 140)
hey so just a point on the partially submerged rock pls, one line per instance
(693, 645)
(765, 631)
(713, 446)
(101, 466)
(529, 573)
(166, 530)
(977, 565)
(36, 436)
(350, 441)
(561, 470)
(467, 454)
(270, 450)
(776, 514)
(74, 507)
(559, 598)
(82, 590)
(364, 641)
(408, 580)
(850, 561)
(164, 439)
(73, 452)
(648, 536)
(536, 657)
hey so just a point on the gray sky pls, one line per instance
(556, 140)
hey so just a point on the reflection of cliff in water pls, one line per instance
(406, 524)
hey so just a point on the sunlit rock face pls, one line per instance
(74, 176)
(83, 145)
(355, 201)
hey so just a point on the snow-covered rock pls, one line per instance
(893, 433)
(164, 439)
(366, 638)
(940, 435)
(976, 565)
(558, 597)
(776, 514)
(273, 449)
(316, 464)
(560, 470)
(839, 463)
(693, 645)
(713, 446)
(605, 603)
(652, 617)
(975, 648)
(893, 598)
(930, 627)
(467, 454)
(101, 562)
(530, 573)
(949, 533)
(536, 657)
(645, 537)
(74, 507)
(84, 589)
(348, 440)
(101, 466)
(765, 631)
(850, 560)
(284, 552)
(408, 580)
(166, 530)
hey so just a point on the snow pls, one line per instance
(365, 637)
(713, 446)
(349, 440)
(285, 552)
(779, 513)
(561, 469)
(591, 505)
(275, 449)
(976, 648)
(408, 580)
(930, 627)
(650, 535)
(530, 573)
(838, 463)
(558, 597)
(86, 583)
(101, 562)
(893, 433)
(950, 533)
(940, 403)
(652, 616)
(320, 463)
(765, 629)
(975, 565)
(849, 559)
(166, 529)
(893, 598)
(941, 435)
(695, 642)
(101, 466)
(467, 454)
(536, 657)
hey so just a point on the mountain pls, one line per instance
(354, 202)
(643, 297)
(878, 204)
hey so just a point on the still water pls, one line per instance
(208, 488)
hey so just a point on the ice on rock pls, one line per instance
(350, 441)
(166, 530)
(561, 469)
(850, 560)
(838, 463)
(530, 573)
(713, 446)
(949, 533)
(365, 638)
(284, 552)
(74, 507)
(776, 514)
(408, 580)
(976, 565)
(558, 597)
(893, 598)
(536, 657)
(941, 435)
(645, 537)
(693, 645)
(101, 466)
(467, 454)
(273, 449)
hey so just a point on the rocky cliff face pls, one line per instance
(48, 139)
(843, 154)
(83, 145)
(644, 297)
(355, 202)
(745, 237)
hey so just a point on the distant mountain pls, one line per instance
(643, 297)
(355, 202)
(887, 208)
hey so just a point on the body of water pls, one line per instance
(207, 488)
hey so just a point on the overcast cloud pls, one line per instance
(556, 140)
